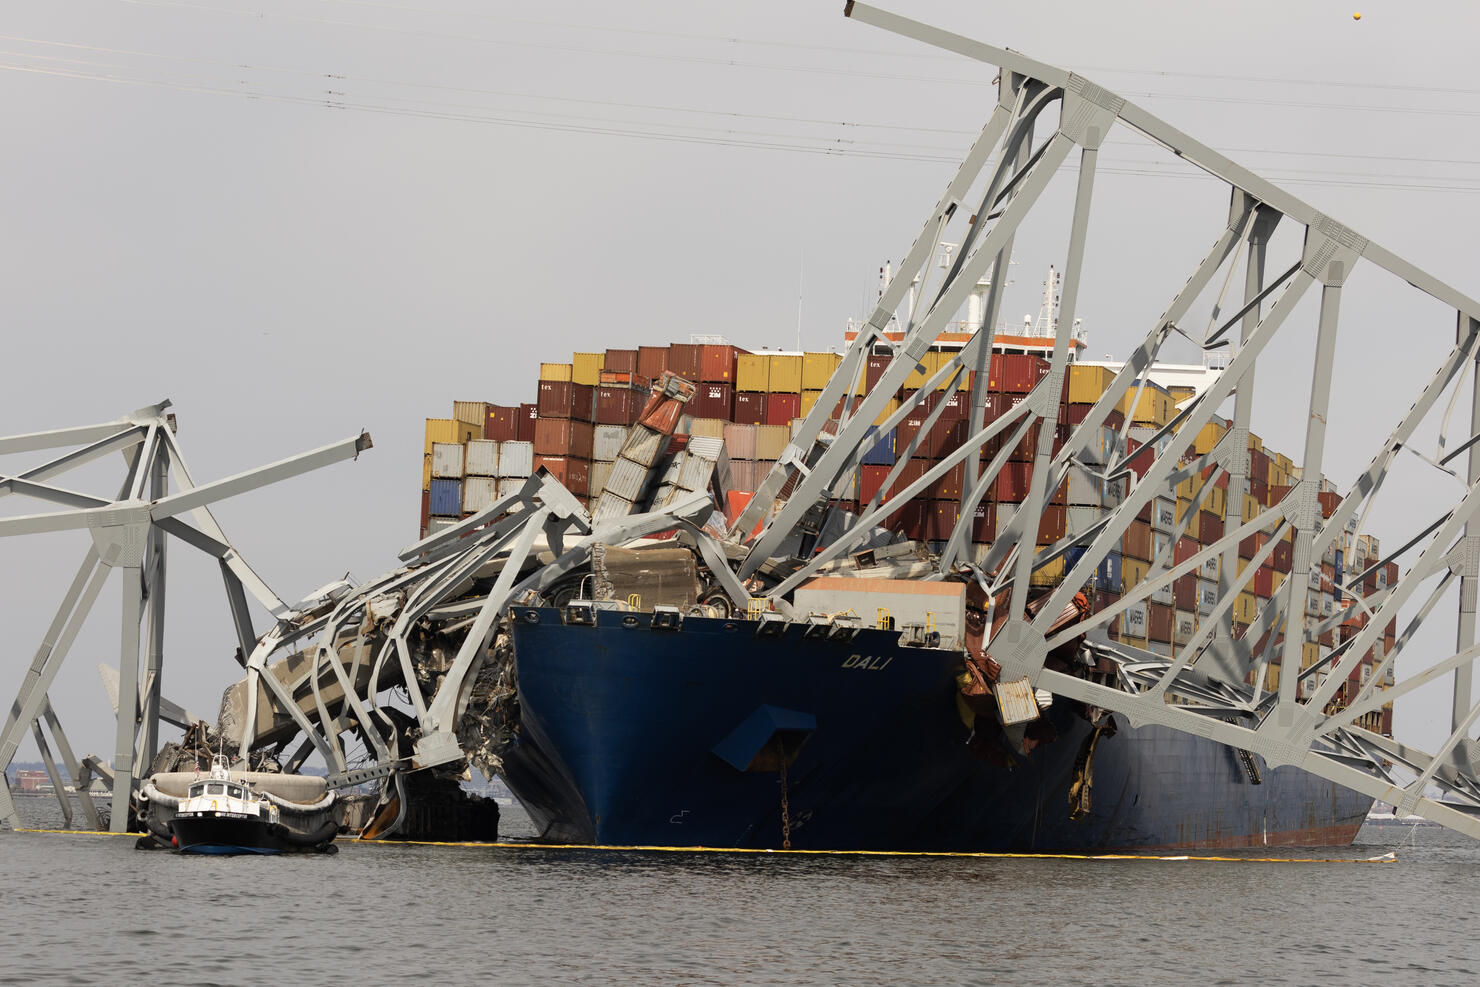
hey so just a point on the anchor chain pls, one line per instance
(785, 806)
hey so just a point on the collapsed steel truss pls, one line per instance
(128, 534)
(1009, 169)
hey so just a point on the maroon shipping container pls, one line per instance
(564, 399)
(563, 437)
(1159, 622)
(909, 473)
(1248, 547)
(686, 360)
(1184, 591)
(617, 404)
(1074, 414)
(913, 519)
(1284, 556)
(1259, 490)
(1017, 373)
(1264, 581)
(877, 363)
(1185, 549)
(1259, 465)
(870, 481)
(1209, 527)
(1053, 525)
(502, 423)
(782, 408)
(574, 473)
(948, 487)
(750, 408)
(528, 415)
(942, 519)
(652, 361)
(713, 401)
(717, 363)
(426, 508)
(1136, 542)
(957, 407)
(1011, 485)
(621, 361)
(984, 523)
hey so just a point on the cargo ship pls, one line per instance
(650, 712)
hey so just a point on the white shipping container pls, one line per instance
(644, 445)
(606, 442)
(471, 412)
(1184, 625)
(515, 459)
(1207, 597)
(481, 458)
(1210, 568)
(610, 506)
(1163, 595)
(706, 447)
(600, 473)
(1084, 489)
(436, 524)
(673, 467)
(447, 460)
(908, 602)
(508, 486)
(695, 472)
(627, 480)
(479, 492)
(1164, 515)
(1314, 580)
(1133, 621)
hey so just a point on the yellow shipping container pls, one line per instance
(890, 407)
(1132, 572)
(1050, 575)
(426, 472)
(556, 371)
(1087, 384)
(809, 399)
(785, 373)
(1255, 442)
(753, 372)
(712, 428)
(1252, 508)
(924, 370)
(450, 430)
(1245, 608)
(587, 367)
(1277, 579)
(1154, 408)
(1272, 678)
(817, 370)
(1310, 653)
(1212, 433)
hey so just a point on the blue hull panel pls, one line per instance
(632, 735)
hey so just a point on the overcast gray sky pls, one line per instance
(300, 219)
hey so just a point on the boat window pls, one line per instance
(234, 792)
(217, 789)
(197, 790)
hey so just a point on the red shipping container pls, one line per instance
(563, 437)
(984, 523)
(528, 415)
(1247, 547)
(1264, 582)
(1259, 490)
(1209, 527)
(713, 401)
(1159, 621)
(717, 363)
(502, 423)
(574, 473)
(875, 369)
(1136, 542)
(652, 361)
(1011, 485)
(750, 408)
(1017, 373)
(1184, 591)
(782, 408)
(870, 481)
(1259, 465)
(621, 361)
(1284, 556)
(686, 360)
(1185, 549)
(564, 399)
(1330, 500)
(909, 473)
(617, 404)
(426, 508)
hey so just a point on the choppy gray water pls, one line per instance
(91, 909)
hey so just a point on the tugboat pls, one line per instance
(220, 815)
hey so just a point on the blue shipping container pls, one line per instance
(446, 497)
(882, 454)
(1107, 574)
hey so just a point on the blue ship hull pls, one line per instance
(635, 735)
